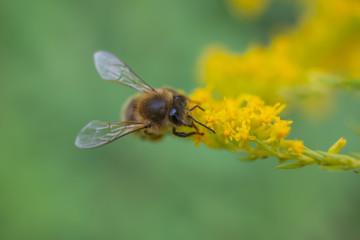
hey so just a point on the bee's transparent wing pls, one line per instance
(112, 68)
(97, 133)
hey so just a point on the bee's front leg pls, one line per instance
(182, 134)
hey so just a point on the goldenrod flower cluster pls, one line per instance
(244, 93)
(307, 62)
(246, 124)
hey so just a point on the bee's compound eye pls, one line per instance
(174, 116)
(177, 111)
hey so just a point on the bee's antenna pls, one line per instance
(196, 106)
(201, 124)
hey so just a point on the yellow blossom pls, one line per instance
(243, 133)
(247, 124)
(294, 146)
(269, 114)
(304, 63)
(245, 92)
(281, 128)
(229, 131)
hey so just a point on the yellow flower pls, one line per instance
(268, 114)
(246, 124)
(244, 91)
(281, 128)
(240, 120)
(243, 133)
(301, 64)
(294, 146)
(229, 131)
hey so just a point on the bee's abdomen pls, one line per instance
(154, 109)
(130, 113)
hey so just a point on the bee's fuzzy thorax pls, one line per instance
(151, 109)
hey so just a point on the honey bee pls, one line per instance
(151, 113)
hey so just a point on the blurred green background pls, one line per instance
(133, 189)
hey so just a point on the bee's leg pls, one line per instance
(196, 106)
(182, 134)
(194, 126)
(200, 124)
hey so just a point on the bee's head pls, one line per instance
(178, 113)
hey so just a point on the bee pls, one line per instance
(150, 113)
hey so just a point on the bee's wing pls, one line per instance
(112, 68)
(97, 133)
